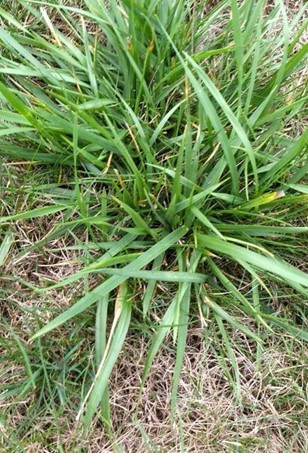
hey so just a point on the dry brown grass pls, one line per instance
(272, 415)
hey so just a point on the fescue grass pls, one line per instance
(163, 144)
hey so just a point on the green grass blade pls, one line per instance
(269, 264)
(99, 385)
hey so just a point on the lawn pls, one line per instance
(153, 229)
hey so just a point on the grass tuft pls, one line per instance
(162, 138)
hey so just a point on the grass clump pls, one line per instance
(165, 135)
